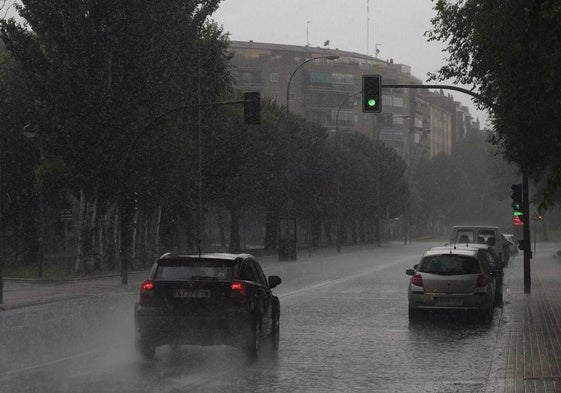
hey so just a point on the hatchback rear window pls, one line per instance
(194, 270)
(449, 265)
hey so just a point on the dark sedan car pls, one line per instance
(208, 299)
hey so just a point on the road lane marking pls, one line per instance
(47, 364)
(341, 279)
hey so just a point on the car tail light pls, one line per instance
(417, 280)
(481, 280)
(238, 289)
(146, 289)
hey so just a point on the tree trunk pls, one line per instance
(328, 235)
(134, 239)
(157, 231)
(110, 248)
(126, 208)
(271, 228)
(234, 230)
(221, 230)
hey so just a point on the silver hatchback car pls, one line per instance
(450, 278)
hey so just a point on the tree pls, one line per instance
(514, 68)
(102, 71)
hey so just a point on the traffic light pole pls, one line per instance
(526, 232)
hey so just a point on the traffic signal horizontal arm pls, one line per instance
(437, 86)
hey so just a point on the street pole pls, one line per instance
(41, 224)
(526, 231)
(1, 229)
(290, 252)
(535, 232)
(338, 171)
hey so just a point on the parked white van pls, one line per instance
(490, 235)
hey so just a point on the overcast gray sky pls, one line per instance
(396, 28)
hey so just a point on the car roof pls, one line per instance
(453, 250)
(475, 226)
(473, 245)
(227, 257)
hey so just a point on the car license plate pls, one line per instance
(192, 293)
(448, 301)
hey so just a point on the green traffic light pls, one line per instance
(371, 102)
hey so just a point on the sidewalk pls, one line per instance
(24, 293)
(528, 354)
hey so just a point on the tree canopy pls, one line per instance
(510, 51)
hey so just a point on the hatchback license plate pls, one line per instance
(192, 293)
(448, 301)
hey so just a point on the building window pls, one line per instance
(389, 100)
(322, 78)
(344, 116)
(342, 79)
(246, 76)
(274, 77)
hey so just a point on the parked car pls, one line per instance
(487, 252)
(512, 243)
(452, 278)
(480, 234)
(207, 299)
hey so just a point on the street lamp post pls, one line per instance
(338, 174)
(1, 228)
(379, 181)
(32, 135)
(286, 248)
(329, 57)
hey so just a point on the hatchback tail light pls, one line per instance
(146, 289)
(238, 289)
(417, 280)
(481, 280)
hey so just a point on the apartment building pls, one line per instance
(327, 91)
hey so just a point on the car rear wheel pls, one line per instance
(499, 299)
(145, 349)
(254, 339)
(275, 334)
(275, 328)
(487, 314)
(413, 314)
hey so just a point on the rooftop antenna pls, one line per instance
(307, 33)
(367, 27)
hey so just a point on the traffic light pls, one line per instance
(518, 215)
(371, 93)
(252, 108)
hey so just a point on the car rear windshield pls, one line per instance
(194, 270)
(486, 237)
(449, 265)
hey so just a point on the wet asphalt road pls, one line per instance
(344, 328)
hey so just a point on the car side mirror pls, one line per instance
(410, 272)
(274, 281)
